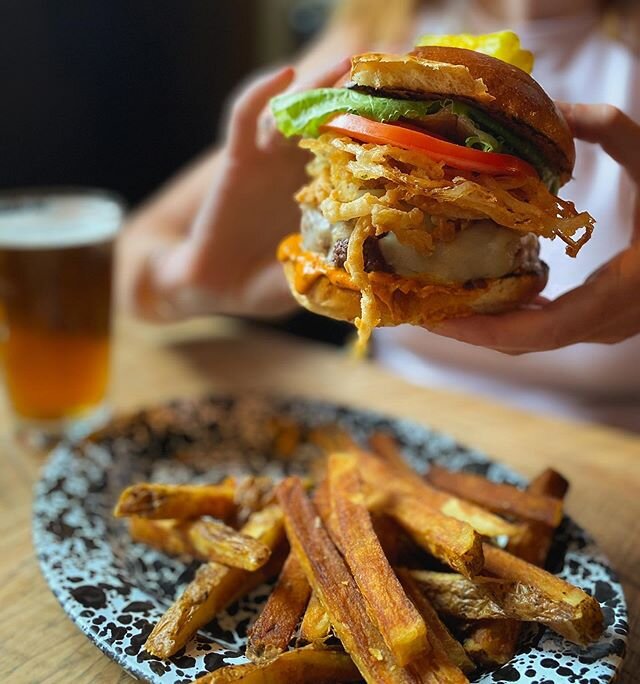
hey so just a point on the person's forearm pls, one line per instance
(159, 226)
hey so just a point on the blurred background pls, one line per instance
(120, 94)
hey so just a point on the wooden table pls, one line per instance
(39, 645)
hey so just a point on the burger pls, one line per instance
(434, 174)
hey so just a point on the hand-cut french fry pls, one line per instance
(452, 541)
(549, 483)
(253, 493)
(209, 540)
(498, 497)
(169, 536)
(271, 633)
(494, 642)
(330, 578)
(534, 541)
(381, 477)
(298, 666)
(585, 624)
(181, 502)
(385, 446)
(393, 540)
(524, 594)
(321, 500)
(400, 624)
(489, 597)
(214, 587)
(454, 650)
(216, 541)
(316, 627)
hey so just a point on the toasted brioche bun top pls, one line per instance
(506, 92)
(417, 76)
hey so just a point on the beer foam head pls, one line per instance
(54, 219)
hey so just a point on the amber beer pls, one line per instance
(56, 266)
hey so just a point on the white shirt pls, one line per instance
(574, 62)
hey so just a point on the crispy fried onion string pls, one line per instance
(353, 180)
(369, 313)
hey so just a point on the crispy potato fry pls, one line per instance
(215, 587)
(549, 483)
(392, 537)
(253, 493)
(534, 541)
(209, 540)
(321, 500)
(488, 597)
(584, 625)
(169, 536)
(299, 666)
(158, 501)
(498, 497)
(271, 633)
(216, 541)
(350, 525)
(316, 626)
(454, 650)
(452, 541)
(526, 595)
(330, 578)
(383, 478)
(494, 642)
(385, 446)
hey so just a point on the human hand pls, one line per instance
(225, 263)
(606, 307)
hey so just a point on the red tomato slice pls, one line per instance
(458, 156)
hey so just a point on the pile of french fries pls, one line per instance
(382, 574)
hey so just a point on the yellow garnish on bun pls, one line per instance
(504, 45)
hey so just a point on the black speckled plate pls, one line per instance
(115, 591)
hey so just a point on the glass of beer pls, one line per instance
(56, 269)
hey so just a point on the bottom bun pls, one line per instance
(330, 292)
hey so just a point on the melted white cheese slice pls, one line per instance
(484, 250)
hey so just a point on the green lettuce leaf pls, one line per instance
(304, 113)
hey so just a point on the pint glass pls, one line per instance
(56, 266)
